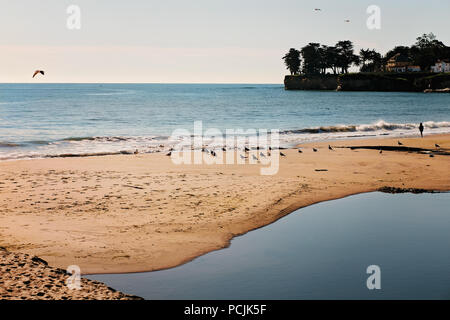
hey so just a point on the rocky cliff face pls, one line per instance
(410, 82)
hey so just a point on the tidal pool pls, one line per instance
(320, 252)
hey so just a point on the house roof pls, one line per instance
(400, 58)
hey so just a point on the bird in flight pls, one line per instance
(37, 72)
(346, 20)
(317, 9)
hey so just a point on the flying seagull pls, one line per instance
(347, 20)
(37, 72)
(317, 9)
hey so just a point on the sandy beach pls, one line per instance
(133, 213)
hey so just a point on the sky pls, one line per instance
(197, 41)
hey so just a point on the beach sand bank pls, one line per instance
(24, 277)
(133, 213)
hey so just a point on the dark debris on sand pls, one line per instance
(405, 190)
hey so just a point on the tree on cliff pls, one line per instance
(312, 63)
(427, 50)
(292, 61)
(371, 60)
(346, 56)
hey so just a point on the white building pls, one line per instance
(441, 66)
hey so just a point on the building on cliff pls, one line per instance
(441, 66)
(401, 63)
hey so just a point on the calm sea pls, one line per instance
(38, 120)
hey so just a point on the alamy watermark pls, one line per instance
(374, 280)
(73, 282)
(234, 146)
(74, 19)
(374, 20)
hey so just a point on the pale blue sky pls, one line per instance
(221, 41)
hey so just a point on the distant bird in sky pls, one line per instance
(37, 72)
(346, 20)
(436, 145)
(315, 150)
(317, 9)
(399, 143)
(330, 148)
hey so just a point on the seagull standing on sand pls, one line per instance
(282, 154)
(242, 157)
(262, 154)
(315, 150)
(254, 157)
(136, 151)
(436, 145)
(300, 151)
(381, 150)
(399, 143)
(37, 72)
(330, 148)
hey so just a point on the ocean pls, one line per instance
(43, 120)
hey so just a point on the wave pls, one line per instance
(381, 125)
(9, 145)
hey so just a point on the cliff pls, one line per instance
(410, 82)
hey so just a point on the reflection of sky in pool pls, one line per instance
(321, 252)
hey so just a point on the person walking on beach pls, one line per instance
(421, 129)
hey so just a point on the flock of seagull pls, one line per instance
(268, 154)
(246, 151)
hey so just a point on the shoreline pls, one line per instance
(93, 237)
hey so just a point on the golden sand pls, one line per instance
(131, 213)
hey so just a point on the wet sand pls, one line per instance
(132, 213)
